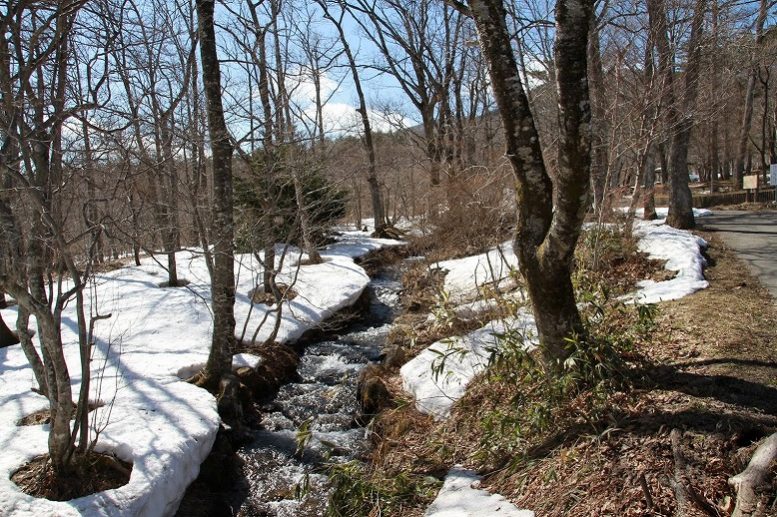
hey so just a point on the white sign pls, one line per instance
(750, 182)
(773, 174)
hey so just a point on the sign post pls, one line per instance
(750, 184)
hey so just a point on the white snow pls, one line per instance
(245, 360)
(682, 252)
(439, 375)
(662, 212)
(466, 276)
(460, 496)
(165, 427)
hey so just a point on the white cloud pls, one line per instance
(343, 119)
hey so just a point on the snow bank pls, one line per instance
(662, 212)
(439, 375)
(461, 497)
(682, 252)
(164, 426)
(467, 275)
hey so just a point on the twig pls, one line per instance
(682, 488)
(646, 491)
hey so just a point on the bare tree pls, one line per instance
(550, 216)
(38, 252)
(747, 114)
(378, 211)
(223, 280)
(681, 124)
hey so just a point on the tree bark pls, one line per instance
(747, 113)
(550, 217)
(599, 140)
(223, 280)
(680, 199)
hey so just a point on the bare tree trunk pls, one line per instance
(714, 80)
(680, 199)
(378, 209)
(223, 280)
(599, 142)
(649, 198)
(763, 78)
(747, 114)
(545, 238)
(170, 233)
(304, 219)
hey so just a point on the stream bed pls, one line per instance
(313, 421)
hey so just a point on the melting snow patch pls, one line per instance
(682, 252)
(461, 497)
(438, 376)
(467, 275)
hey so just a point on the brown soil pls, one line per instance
(259, 295)
(91, 474)
(44, 415)
(701, 396)
(714, 360)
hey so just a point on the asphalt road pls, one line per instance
(753, 235)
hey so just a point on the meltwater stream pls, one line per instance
(281, 481)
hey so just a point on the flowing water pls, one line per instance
(313, 422)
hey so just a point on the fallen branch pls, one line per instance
(683, 488)
(753, 477)
(646, 490)
(680, 493)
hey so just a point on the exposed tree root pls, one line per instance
(747, 482)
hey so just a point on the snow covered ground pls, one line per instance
(165, 427)
(682, 252)
(439, 375)
(461, 497)
(466, 276)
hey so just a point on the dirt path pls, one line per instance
(753, 235)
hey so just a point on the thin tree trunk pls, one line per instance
(714, 80)
(649, 198)
(170, 231)
(304, 219)
(378, 209)
(599, 143)
(223, 280)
